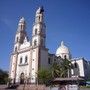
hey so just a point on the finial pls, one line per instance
(62, 43)
(40, 10)
(22, 19)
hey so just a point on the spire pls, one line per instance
(22, 20)
(39, 28)
(39, 15)
(22, 24)
(21, 33)
(62, 43)
(40, 10)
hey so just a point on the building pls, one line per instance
(80, 66)
(30, 55)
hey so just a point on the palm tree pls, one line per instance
(44, 76)
(61, 69)
(66, 67)
(56, 70)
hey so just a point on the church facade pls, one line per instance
(28, 56)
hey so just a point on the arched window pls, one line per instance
(65, 57)
(20, 60)
(15, 49)
(35, 42)
(26, 59)
(75, 65)
(17, 39)
(39, 18)
(76, 69)
(21, 27)
(35, 31)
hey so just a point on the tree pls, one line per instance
(56, 70)
(61, 69)
(3, 77)
(44, 76)
(65, 67)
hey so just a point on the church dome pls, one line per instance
(62, 50)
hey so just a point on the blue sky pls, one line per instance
(67, 20)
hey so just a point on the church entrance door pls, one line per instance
(22, 78)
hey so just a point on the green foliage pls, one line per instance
(65, 66)
(57, 70)
(3, 77)
(44, 76)
(61, 70)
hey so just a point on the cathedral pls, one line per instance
(28, 56)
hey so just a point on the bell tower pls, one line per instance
(20, 34)
(39, 50)
(20, 37)
(39, 29)
(28, 57)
